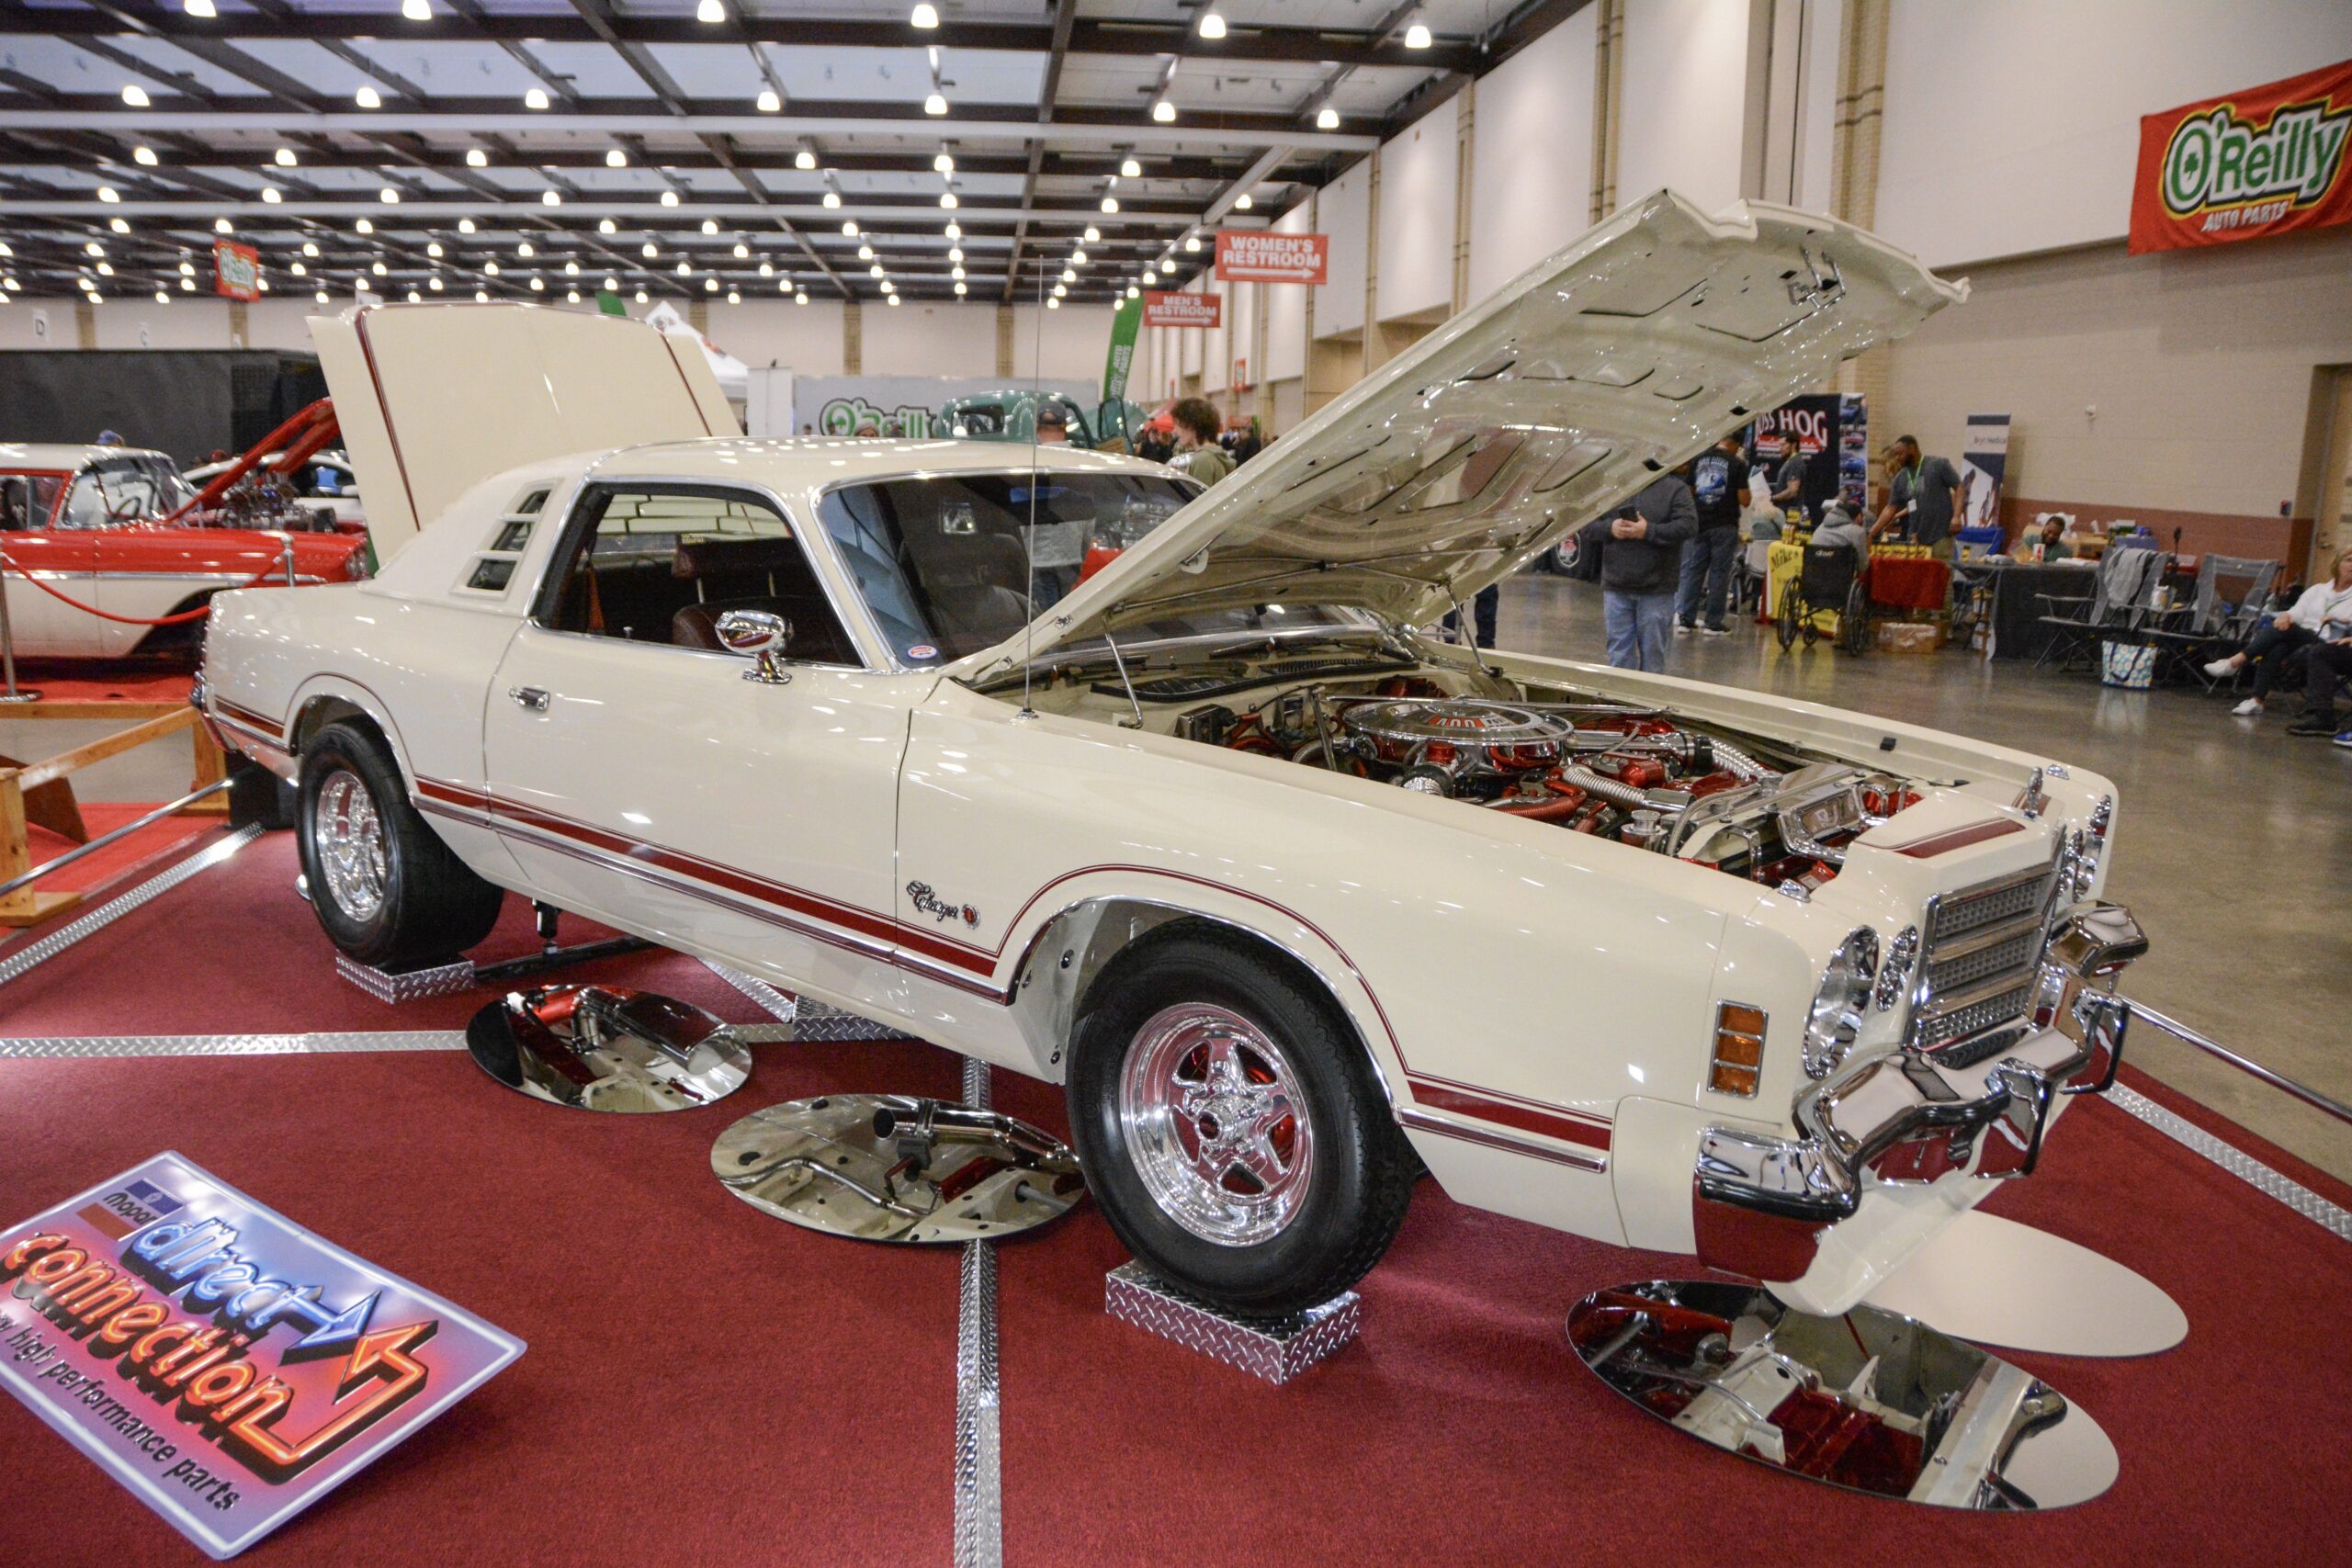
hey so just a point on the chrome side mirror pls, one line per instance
(761, 635)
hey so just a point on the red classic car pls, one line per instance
(90, 572)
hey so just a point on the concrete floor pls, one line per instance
(2231, 838)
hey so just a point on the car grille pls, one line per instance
(1984, 956)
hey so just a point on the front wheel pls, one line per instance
(384, 885)
(1230, 1125)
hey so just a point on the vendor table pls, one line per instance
(2012, 605)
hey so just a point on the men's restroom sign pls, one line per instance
(227, 1366)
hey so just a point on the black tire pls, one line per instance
(1360, 1170)
(1854, 626)
(1785, 624)
(430, 906)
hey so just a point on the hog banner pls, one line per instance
(221, 1363)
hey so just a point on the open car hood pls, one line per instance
(1472, 452)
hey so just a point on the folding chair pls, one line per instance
(2231, 594)
(2126, 583)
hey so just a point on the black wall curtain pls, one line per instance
(188, 402)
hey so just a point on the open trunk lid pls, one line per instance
(435, 399)
(1473, 451)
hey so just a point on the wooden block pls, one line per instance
(30, 907)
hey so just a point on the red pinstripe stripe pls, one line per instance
(1438, 1097)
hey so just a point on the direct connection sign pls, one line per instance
(236, 270)
(1262, 255)
(2268, 160)
(227, 1366)
(1182, 309)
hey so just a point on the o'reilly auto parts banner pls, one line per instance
(1180, 309)
(2268, 160)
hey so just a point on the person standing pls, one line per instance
(1924, 495)
(1788, 485)
(1197, 452)
(1641, 548)
(1719, 490)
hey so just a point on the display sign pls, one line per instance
(2268, 160)
(236, 270)
(1806, 425)
(1983, 468)
(1180, 309)
(906, 406)
(1268, 255)
(222, 1363)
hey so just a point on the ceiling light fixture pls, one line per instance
(271, 195)
(368, 99)
(955, 252)
(144, 156)
(833, 198)
(1212, 26)
(710, 225)
(432, 249)
(640, 296)
(768, 271)
(935, 104)
(1164, 112)
(1110, 203)
(108, 193)
(669, 199)
(1094, 235)
(925, 16)
(612, 285)
(1329, 119)
(363, 226)
(804, 159)
(1054, 304)
(417, 10)
(959, 288)
(800, 298)
(606, 226)
(550, 198)
(310, 249)
(135, 95)
(285, 157)
(465, 225)
(733, 297)
(378, 269)
(523, 250)
(743, 251)
(683, 270)
(1418, 36)
(1130, 170)
(490, 268)
(1193, 243)
(876, 269)
(849, 228)
(768, 102)
(947, 199)
(204, 9)
(943, 164)
(711, 286)
(388, 196)
(616, 159)
(433, 283)
(477, 159)
(1243, 203)
(537, 98)
(865, 253)
(649, 251)
(711, 12)
(954, 231)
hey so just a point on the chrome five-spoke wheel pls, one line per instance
(349, 836)
(1212, 1109)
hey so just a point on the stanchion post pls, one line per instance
(8, 646)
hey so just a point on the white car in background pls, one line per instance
(1291, 897)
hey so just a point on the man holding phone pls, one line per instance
(1640, 544)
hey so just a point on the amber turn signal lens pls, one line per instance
(1736, 1067)
(1727, 1079)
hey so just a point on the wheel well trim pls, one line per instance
(1322, 966)
(318, 690)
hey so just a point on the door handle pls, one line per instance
(532, 698)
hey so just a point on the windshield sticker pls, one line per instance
(923, 650)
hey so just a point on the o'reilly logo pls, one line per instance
(2216, 160)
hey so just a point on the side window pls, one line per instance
(16, 504)
(662, 564)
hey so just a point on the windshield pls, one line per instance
(941, 560)
(123, 489)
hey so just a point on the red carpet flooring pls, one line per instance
(101, 680)
(707, 1385)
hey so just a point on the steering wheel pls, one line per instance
(127, 509)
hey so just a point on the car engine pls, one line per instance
(1633, 774)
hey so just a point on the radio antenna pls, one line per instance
(1029, 534)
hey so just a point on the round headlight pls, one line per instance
(1836, 1015)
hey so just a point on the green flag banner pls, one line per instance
(1124, 327)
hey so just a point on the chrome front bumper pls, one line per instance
(1761, 1201)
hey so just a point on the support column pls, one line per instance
(1261, 337)
(853, 339)
(85, 325)
(239, 329)
(698, 315)
(1375, 352)
(1005, 341)
(1465, 169)
(1608, 89)
(1853, 187)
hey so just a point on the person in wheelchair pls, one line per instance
(1830, 580)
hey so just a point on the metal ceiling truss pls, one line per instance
(210, 153)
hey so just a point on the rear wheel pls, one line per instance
(1785, 624)
(1855, 625)
(1230, 1125)
(386, 888)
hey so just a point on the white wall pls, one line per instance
(805, 339)
(1077, 339)
(2013, 125)
(1818, 102)
(938, 340)
(1531, 177)
(1419, 171)
(1343, 214)
(1216, 342)
(1685, 85)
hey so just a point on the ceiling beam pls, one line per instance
(1093, 35)
(462, 117)
(1048, 95)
